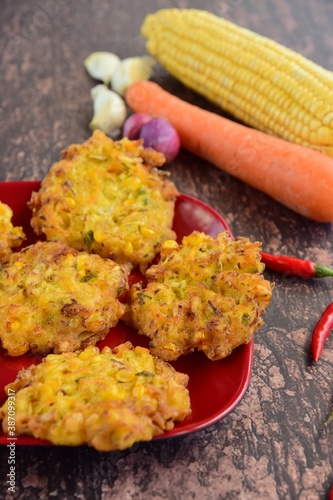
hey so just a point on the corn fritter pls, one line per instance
(54, 298)
(107, 197)
(205, 293)
(106, 399)
(10, 236)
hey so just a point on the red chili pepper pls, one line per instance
(331, 493)
(321, 332)
(295, 267)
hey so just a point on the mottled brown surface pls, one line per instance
(273, 444)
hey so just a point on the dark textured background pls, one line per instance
(273, 445)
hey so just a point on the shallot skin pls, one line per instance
(133, 125)
(160, 135)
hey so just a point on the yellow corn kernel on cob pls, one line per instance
(257, 80)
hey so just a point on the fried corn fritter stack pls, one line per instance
(108, 399)
(205, 294)
(10, 236)
(107, 197)
(54, 298)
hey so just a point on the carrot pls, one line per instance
(296, 176)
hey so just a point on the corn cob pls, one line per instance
(260, 82)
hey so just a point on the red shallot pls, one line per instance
(133, 125)
(160, 135)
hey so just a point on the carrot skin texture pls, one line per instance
(296, 176)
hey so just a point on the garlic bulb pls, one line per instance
(109, 111)
(101, 65)
(130, 70)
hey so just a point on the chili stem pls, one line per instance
(329, 418)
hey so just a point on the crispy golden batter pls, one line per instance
(205, 294)
(108, 399)
(107, 197)
(54, 298)
(10, 236)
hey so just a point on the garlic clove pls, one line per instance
(109, 111)
(130, 70)
(101, 65)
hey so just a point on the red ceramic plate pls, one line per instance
(215, 387)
